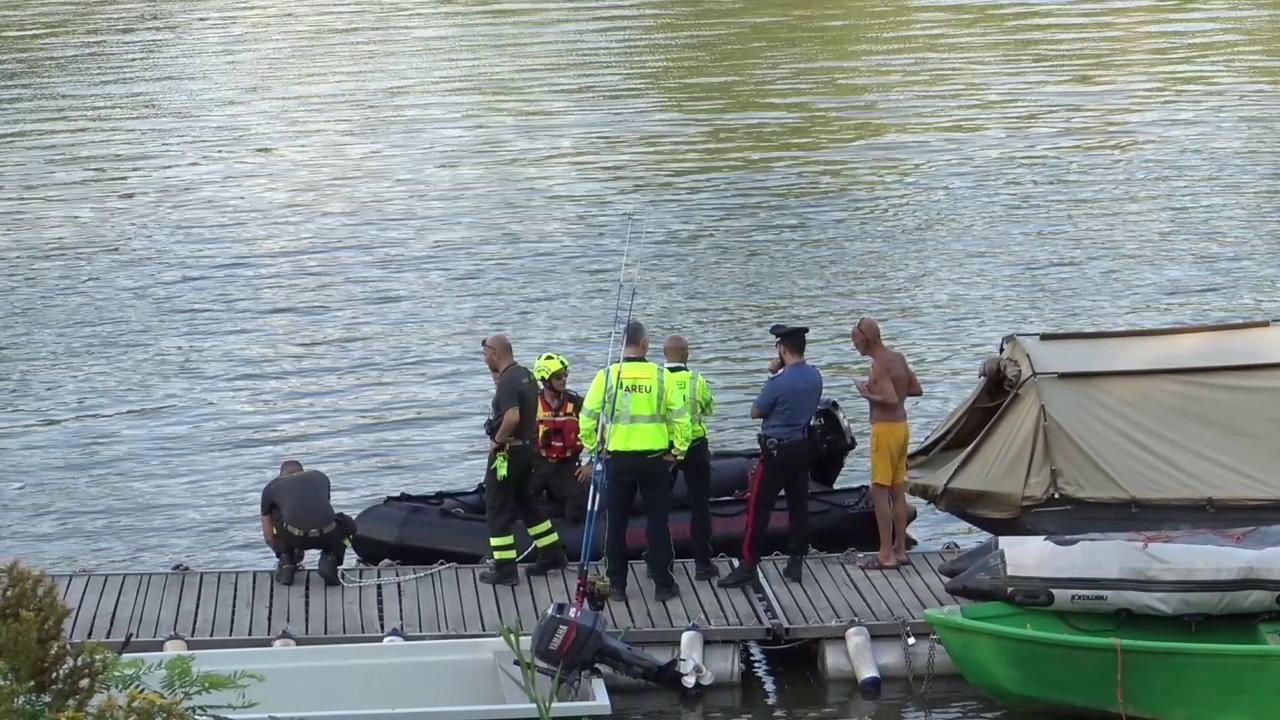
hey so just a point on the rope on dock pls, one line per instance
(348, 581)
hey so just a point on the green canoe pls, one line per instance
(1219, 668)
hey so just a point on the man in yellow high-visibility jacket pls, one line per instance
(696, 466)
(647, 429)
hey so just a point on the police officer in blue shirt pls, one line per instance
(786, 404)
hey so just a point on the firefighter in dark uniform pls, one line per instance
(297, 516)
(786, 404)
(558, 445)
(512, 427)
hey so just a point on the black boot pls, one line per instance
(705, 571)
(503, 572)
(327, 568)
(285, 571)
(741, 575)
(548, 560)
(795, 568)
(663, 594)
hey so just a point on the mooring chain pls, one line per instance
(907, 641)
(928, 675)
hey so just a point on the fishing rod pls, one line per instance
(599, 479)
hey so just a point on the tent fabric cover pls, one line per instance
(1100, 426)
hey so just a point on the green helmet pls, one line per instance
(549, 364)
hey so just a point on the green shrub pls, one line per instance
(42, 676)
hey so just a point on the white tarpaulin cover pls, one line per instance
(1187, 574)
(1187, 417)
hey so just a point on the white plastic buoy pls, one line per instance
(693, 670)
(175, 643)
(284, 639)
(858, 642)
(393, 636)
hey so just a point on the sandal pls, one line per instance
(873, 563)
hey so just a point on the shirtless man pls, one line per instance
(887, 388)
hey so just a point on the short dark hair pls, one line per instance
(290, 466)
(793, 343)
(634, 333)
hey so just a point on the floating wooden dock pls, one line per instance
(218, 609)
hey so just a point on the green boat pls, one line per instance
(1135, 666)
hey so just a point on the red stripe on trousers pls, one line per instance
(753, 488)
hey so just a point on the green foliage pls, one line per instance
(43, 677)
(528, 679)
(181, 682)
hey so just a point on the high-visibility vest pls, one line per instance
(696, 393)
(647, 415)
(558, 427)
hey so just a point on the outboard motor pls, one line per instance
(574, 639)
(832, 442)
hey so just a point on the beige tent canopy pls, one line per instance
(1187, 415)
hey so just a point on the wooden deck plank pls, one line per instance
(793, 611)
(857, 577)
(845, 599)
(88, 608)
(101, 626)
(346, 616)
(335, 599)
(677, 610)
(639, 592)
(698, 593)
(410, 612)
(149, 617)
(741, 603)
(429, 591)
(619, 613)
(226, 606)
(507, 606)
(811, 586)
(391, 617)
(61, 582)
(936, 581)
(470, 587)
(914, 608)
(528, 616)
(370, 615)
(122, 623)
(540, 587)
(297, 599)
(206, 606)
(875, 579)
(452, 619)
(242, 607)
(280, 602)
(911, 574)
(188, 604)
(260, 624)
(315, 604)
(490, 616)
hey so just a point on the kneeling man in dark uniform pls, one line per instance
(297, 516)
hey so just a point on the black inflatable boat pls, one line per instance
(450, 525)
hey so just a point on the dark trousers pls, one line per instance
(511, 499)
(291, 548)
(557, 491)
(628, 473)
(783, 467)
(696, 467)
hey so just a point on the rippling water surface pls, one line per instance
(239, 232)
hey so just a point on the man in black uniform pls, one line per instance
(512, 427)
(297, 516)
(786, 404)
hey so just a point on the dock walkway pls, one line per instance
(239, 608)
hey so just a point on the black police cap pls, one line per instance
(781, 331)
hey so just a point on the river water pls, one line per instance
(235, 232)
